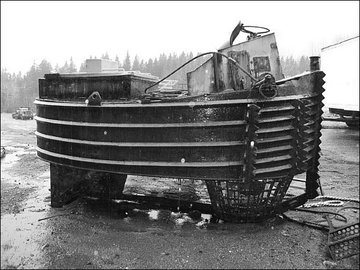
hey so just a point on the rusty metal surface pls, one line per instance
(246, 146)
(202, 79)
(78, 87)
(190, 139)
(243, 129)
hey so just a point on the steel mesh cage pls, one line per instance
(235, 202)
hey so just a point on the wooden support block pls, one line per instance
(104, 185)
(65, 184)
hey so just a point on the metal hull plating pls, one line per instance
(203, 137)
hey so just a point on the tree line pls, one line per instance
(20, 90)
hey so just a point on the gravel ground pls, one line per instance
(86, 235)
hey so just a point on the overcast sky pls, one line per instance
(55, 31)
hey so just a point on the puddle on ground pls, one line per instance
(22, 233)
(143, 217)
(13, 154)
(9, 159)
(20, 247)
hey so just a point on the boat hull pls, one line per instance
(196, 138)
(245, 146)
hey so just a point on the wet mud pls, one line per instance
(89, 233)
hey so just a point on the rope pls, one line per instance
(327, 203)
(339, 198)
(333, 202)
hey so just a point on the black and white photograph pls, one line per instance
(180, 135)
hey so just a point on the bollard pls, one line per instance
(314, 63)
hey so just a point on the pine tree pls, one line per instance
(127, 62)
(168, 67)
(31, 82)
(82, 67)
(105, 56)
(44, 67)
(136, 63)
(162, 65)
(57, 68)
(155, 69)
(142, 66)
(117, 59)
(304, 64)
(65, 68)
(72, 67)
(6, 90)
(150, 66)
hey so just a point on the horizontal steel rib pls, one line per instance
(142, 163)
(189, 103)
(142, 144)
(142, 125)
(272, 169)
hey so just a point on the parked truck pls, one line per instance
(340, 62)
(23, 113)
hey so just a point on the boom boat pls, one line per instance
(241, 127)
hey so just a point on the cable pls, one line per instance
(321, 212)
(336, 215)
(198, 56)
(346, 207)
(307, 223)
(311, 224)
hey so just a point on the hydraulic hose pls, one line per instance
(201, 55)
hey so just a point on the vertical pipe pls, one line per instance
(216, 72)
(314, 63)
